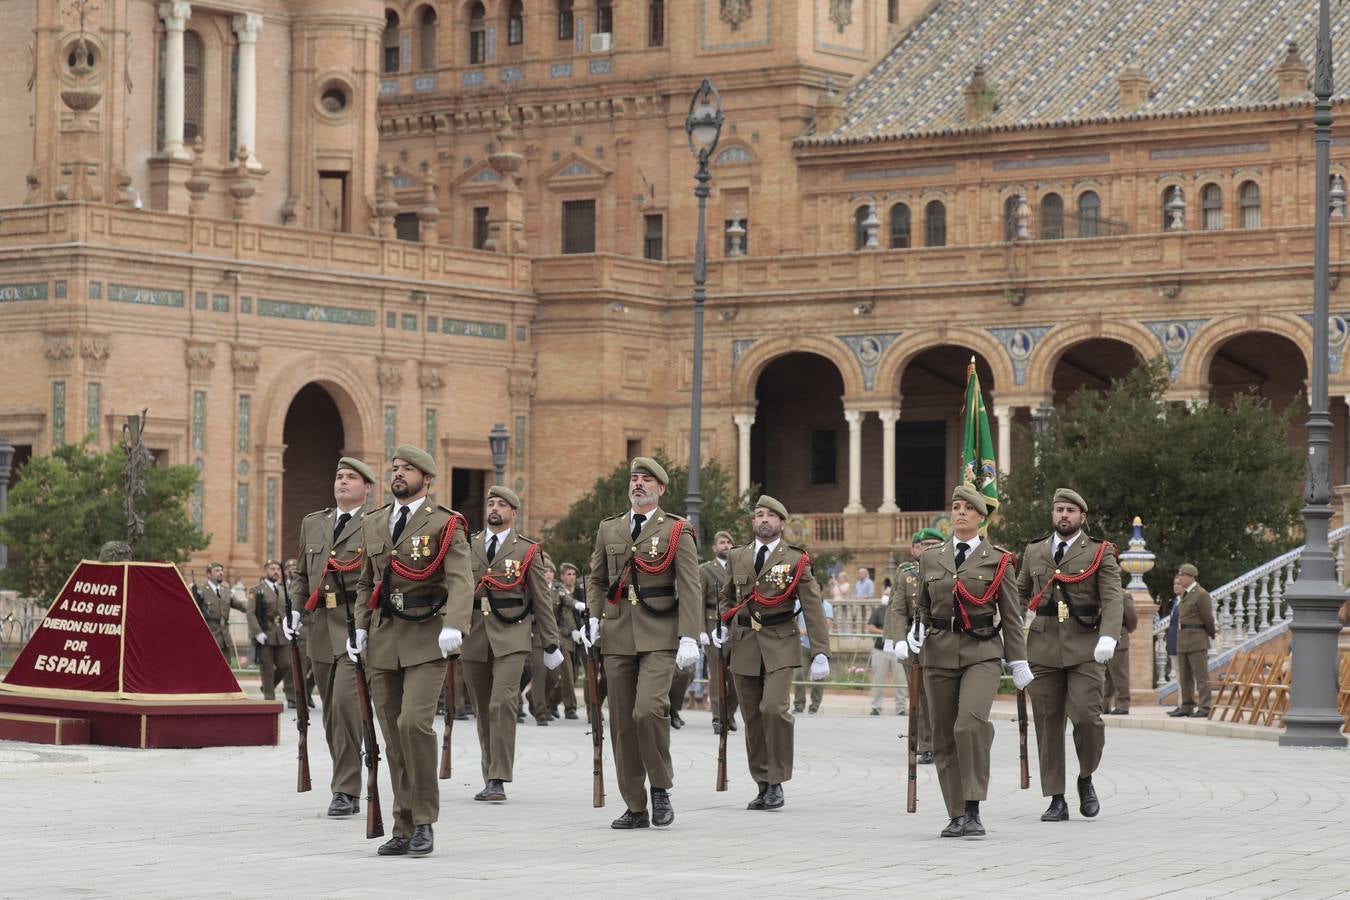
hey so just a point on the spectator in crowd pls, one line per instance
(839, 587)
(886, 669)
(1188, 635)
(863, 588)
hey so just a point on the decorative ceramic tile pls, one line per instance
(241, 514)
(560, 70)
(220, 303)
(424, 83)
(270, 519)
(199, 420)
(1175, 337)
(93, 407)
(243, 442)
(121, 293)
(431, 432)
(95, 290)
(390, 430)
(313, 312)
(868, 349)
(491, 330)
(60, 288)
(1019, 343)
(409, 322)
(20, 292)
(738, 348)
(58, 413)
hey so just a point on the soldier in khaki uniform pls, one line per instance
(900, 613)
(1193, 616)
(567, 623)
(969, 619)
(327, 570)
(715, 576)
(216, 600)
(1116, 695)
(266, 610)
(644, 583)
(291, 572)
(509, 592)
(768, 582)
(413, 599)
(1070, 583)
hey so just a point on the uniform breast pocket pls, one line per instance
(1038, 624)
(616, 554)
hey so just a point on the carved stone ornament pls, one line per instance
(841, 14)
(735, 12)
(522, 385)
(94, 350)
(390, 375)
(59, 347)
(244, 359)
(200, 356)
(430, 379)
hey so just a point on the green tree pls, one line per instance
(572, 538)
(1215, 485)
(64, 507)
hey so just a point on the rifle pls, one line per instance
(197, 595)
(1022, 738)
(915, 711)
(724, 716)
(301, 701)
(593, 716)
(449, 720)
(374, 822)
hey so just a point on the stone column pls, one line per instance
(175, 15)
(1004, 414)
(246, 27)
(743, 422)
(1142, 690)
(854, 418)
(888, 419)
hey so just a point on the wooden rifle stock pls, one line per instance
(374, 821)
(915, 711)
(724, 717)
(1022, 739)
(301, 702)
(449, 720)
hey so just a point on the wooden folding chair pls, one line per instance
(1272, 693)
(1239, 673)
(1247, 691)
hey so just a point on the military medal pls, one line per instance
(652, 552)
(396, 600)
(512, 568)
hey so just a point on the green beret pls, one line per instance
(360, 468)
(418, 457)
(567, 566)
(927, 534)
(1066, 495)
(1188, 569)
(968, 493)
(772, 505)
(723, 534)
(650, 466)
(505, 493)
(214, 565)
(270, 563)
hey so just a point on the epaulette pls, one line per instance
(528, 540)
(475, 535)
(612, 518)
(1044, 538)
(1000, 549)
(801, 550)
(675, 516)
(389, 505)
(910, 566)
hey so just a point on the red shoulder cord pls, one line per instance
(790, 593)
(1071, 579)
(962, 596)
(497, 584)
(332, 565)
(649, 568)
(411, 574)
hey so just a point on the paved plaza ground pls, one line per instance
(1182, 815)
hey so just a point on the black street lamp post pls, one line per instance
(499, 440)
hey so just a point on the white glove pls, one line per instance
(888, 646)
(578, 637)
(553, 660)
(449, 639)
(719, 637)
(1021, 673)
(261, 639)
(901, 650)
(687, 655)
(704, 639)
(1106, 648)
(355, 650)
(579, 606)
(820, 667)
(595, 632)
(915, 637)
(291, 628)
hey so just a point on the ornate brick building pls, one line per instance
(451, 214)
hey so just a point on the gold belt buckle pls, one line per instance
(754, 624)
(396, 600)
(484, 605)
(632, 595)
(1063, 610)
(330, 600)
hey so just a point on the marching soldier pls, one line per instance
(265, 616)
(970, 617)
(1190, 630)
(768, 582)
(715, 575)
(413, 599)
(292, 571)
(508, 573)
(644, 583)
(1116, 695)
(1071, 583)
(543, 687)
(900, 613)
(325, 587)
(567, 623)
(216, 601)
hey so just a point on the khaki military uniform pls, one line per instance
(1116, 694)
(715, 576)
(266, 609)
(640, 632)
(403, 657)
(499, 639)
(764, 647)
(303, 640)
(216, 604)
(543, 683)
(1068, 621)
(900, 613)
(961, 668)
(563, 689)
(326, 627)
(1195, 613)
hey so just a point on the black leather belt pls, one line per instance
(650, 593)
(765, 621)
(954, 623)
(1052, 608)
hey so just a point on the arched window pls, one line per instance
(1089, 214)
(604, 16)
(1249, 199)
(1211, 203)
(426, 39)
(193, 93)
(515, 23)
(900, 234)
(656, 23)
(389, 42)
(1052, 217)
(935, 224)
(477, 35)
(859, 229)
(564, 20)
(1010, 217)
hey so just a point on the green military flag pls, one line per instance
(978, 466)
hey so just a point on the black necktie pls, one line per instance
(638, 519)
(216, 588)
(341, 524)
(961, 550)
(759, 557)
(492, 548)
(402, 521)
(1059, 552)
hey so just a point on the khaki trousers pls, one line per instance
(715, 664)
(405, 703)
(1073, 693)
(802, 676)
(543, 684)
(679, 686)
(887, 670)
(768, 724)
(564, 689)
(639, 722)
(958, 702)
(1193, 678)
(1116, 693)
(494, 690)
(221, 635)
(274, 664)
(341, 722)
